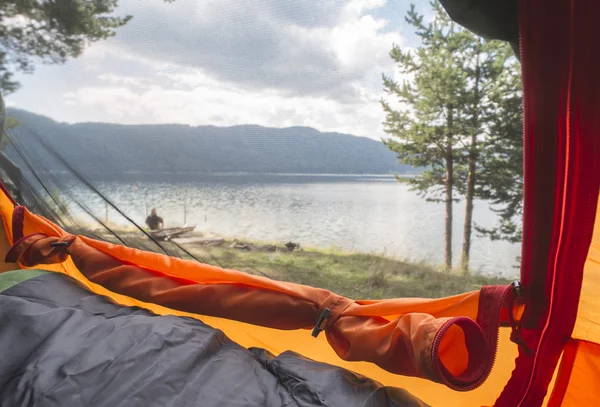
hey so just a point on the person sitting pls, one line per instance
(154, 221)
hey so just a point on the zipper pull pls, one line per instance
(321, 322)
(515, 312)
(517, 289)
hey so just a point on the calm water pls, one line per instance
(367, 214)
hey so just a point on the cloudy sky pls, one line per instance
(278, 63)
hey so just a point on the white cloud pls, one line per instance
(195, 99)
(217, 62)
(131, 81)
(357, 8)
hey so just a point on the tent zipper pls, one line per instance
(489, 319)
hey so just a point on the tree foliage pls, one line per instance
(419, 128)
(501, 170)
(50, 31)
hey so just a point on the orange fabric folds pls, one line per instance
(451, 341)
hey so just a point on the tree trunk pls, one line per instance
(471, 171)
(449, 186)
(466, 249)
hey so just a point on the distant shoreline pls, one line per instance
(279, 174)
(150, 176)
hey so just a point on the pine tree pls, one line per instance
(424, 133)
(490, 67)
(457, 115)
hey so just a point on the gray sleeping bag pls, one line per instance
(61, 345)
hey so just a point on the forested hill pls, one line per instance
(102, 148)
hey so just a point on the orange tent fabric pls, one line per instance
(434, 339)
(579, 370)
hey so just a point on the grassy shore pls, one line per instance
(354, 275)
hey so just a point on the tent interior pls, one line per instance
(103, 317)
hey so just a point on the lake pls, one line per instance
(374, 214)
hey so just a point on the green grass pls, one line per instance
(358, 276)
(354, 275)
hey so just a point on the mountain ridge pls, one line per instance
(108, 148)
